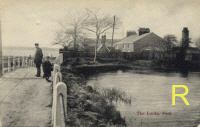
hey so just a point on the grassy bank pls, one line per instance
(85, 105)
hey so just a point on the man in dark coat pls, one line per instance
(38, 59)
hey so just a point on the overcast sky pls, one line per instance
(25, 22)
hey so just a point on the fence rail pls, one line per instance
(59, 106)
(11, 63)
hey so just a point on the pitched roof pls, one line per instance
(132, 38)
(101, 46)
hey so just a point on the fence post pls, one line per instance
(1, 56)
(33, 63)
(3, 65)
(18, 59)
(23, 61)
(26, 61)
(61, 105)
(29, 62)
(9, 64)
(57, 78)
(14, 63)
(0, 123)
(56, 68)
(59, 59)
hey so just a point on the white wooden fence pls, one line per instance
(0, 122)
(11, 63)
(59, 106)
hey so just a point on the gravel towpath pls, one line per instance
(25, 100)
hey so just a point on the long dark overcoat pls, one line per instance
(38, 56)
(47, 68)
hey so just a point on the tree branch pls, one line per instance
(105, 29)
(90, 30)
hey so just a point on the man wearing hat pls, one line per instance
(38, 59)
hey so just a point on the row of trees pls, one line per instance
(171, 41)
(79, 23)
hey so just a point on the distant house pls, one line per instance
(136, 43)
(102, 46)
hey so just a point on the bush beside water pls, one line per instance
(89, 107)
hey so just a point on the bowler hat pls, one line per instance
(36, 44)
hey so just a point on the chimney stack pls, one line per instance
(185, 37)
(143, 31)
(103, 39)
(129, 33)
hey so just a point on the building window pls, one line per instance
(124, 46)
(128, 46)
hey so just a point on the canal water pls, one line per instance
(151, 93)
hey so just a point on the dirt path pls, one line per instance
(24, 99)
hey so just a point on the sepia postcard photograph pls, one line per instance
(99, 63)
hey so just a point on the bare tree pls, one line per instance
(169, 43)
(164, 46)
(98, 25)
(62, 39)
(197, 42)
(73, 26)
(159, 46)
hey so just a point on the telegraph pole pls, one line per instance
(113, 31)
(1, 57)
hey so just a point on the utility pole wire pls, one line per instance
(113, 32)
